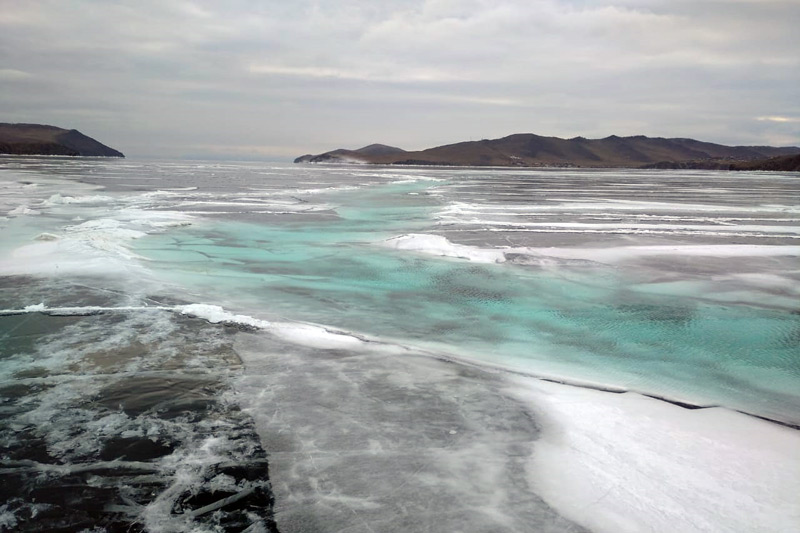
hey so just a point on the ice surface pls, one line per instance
(712, 250)
(661, 269)
(611, 462)
(368, 432)
(216, 314)
(84, 310)
(622, 463)
(361, 441)
(609, 204)
(23, 210)
(87, 255)
(310, 335)
(57, 199)
(100, 246)
(118, 419)
(649, 227)
(439, 245)
(315, 336)
(46, 237)
(103, 232)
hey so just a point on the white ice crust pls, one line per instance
(216, 315)
(440, 246)
(58, 199)
(23, 210)
(100, 246)
(309, 335)
(626, 463)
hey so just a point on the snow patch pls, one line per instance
(625, 463)
(217, 315)
(23, 210)
(57, 199)
(309, 335)
(438, 245)
(317, 337)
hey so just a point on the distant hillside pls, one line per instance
(785, 163)
(355, 156)
(529, 150)
(38, 139)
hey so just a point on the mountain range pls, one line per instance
(39, 139)
(530, 150)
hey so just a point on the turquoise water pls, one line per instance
(595, 321)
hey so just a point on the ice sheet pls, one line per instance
(625, 463)
(367, 433)
(361, 442)
(116, 417)
(612, 462)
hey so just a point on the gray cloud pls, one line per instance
(276, 78)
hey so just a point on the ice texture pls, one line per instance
(624, 463)
(393, 384)
(216, 314)
(120, 417)
(439, 245)
(364, 441)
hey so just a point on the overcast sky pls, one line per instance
(276, 79)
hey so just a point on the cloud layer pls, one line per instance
(276, 78)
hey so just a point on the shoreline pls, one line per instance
(456, 166)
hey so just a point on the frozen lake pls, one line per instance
(410, 349)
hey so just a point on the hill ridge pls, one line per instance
(42, 139)
(532, 150)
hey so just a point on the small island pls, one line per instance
(40, 139)
(530, 150)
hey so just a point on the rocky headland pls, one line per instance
(39, 139)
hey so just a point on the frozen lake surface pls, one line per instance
(408, 349)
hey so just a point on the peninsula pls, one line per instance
(530, 150)
(39, 139)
